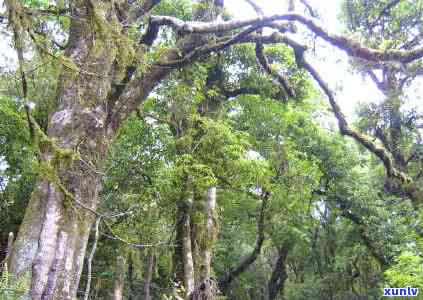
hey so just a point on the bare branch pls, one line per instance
(261, 57)
(137, 11)
(376, 80)
(309, 8)
(256, 7)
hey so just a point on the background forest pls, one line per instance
(166, 150)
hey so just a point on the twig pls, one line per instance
(113, 236)
(90, 258)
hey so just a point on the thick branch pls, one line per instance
(267, 68)
(350, 46)
(309, 8)
(344, 128)
(357, 220)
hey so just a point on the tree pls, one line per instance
(108, 69)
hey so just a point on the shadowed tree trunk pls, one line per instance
(279, 275)
(119, 278)
(187, 255)
(211, 235)
(131, 277)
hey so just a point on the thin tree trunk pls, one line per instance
(187, 257)
(183, 257)
(10, 239)
(119, 278)
(205, 238)
(131, 277)
(210, 238)
(149, 276)
(7, 253)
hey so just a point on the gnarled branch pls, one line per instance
(353, 48)
(344, 128)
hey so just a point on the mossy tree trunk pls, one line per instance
(206, 286)
(183, 258)
(51, 243)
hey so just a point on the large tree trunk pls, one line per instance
(51, 243)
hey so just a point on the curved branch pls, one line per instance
(226, 280)
(353, 48)
(344, 128)
(362, 227)
(268, 69)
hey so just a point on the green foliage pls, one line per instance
(10, 288)
(328, 200)
(406, 271)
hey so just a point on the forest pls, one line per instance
(211, 149)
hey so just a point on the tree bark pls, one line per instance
(131, 277)
(279, 274)
(210, 213)
(119, 278)
(51, 243)
(90, 259)
(149, 276)
(205, 237)
(187, 256)
(183, 259)
(10, 238)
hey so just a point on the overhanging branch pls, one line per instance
(353, 48)
(344, 128)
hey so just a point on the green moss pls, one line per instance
(60, 159)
